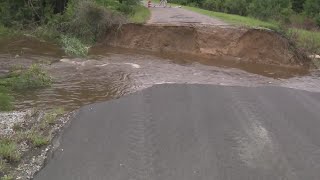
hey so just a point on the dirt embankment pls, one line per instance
(251, 45)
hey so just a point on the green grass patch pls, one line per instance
(140, 15)
(38, 140)
(30, 78)
(310, 40)
(8, 150)
(51, 117)
(5, 32)
(73, 46)
(234, 19)
(7, 177)
(5, 99)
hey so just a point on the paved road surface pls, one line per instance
(176, 16)
(193, 132)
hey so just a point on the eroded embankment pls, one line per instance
(251, 45)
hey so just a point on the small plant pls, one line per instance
(51, 117)
(73, 46)
(38, 140)
(8, 150)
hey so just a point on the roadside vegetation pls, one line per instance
(75, 24)
(21, 78)
(33, 134)
(299, 20)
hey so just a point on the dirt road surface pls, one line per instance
(192, 132)
(176, 16)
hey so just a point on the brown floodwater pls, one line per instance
(113, 72)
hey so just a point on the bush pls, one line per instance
(90, 21)
(73, 46)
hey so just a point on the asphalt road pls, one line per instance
(193, 132)
(176, 16)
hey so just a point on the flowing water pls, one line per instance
(113, 72)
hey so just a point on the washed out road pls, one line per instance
(193, 132)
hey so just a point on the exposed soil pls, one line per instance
(243, 44)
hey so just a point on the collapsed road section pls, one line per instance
(218, 41)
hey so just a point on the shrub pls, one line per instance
(73, 46)
(90, 21)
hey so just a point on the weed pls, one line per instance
(8, 150)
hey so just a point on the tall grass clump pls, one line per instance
(30, 78)
(73, 46)
(5, 99)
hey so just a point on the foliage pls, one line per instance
(312, 7)
(30, 78)
(73, 46)
(90, 21)
(141, 15)
(8, 150)
(37, 140)
(236, 19)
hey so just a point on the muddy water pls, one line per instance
(112, 72)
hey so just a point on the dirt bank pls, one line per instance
(253, 45)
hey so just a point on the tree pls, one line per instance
(312, 8)
(266, 9)
(297, 5)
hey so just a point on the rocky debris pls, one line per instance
(33, 158)
(9, 119)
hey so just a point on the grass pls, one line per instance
(4, 32)
(51, 117)
(37, 139)
(309, 39)
(5, 100)
(235, 19)
(7, 177)
(141, 14)
(73, 46)
(31, 78)
(8, 150)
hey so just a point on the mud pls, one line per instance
(215, 42)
